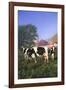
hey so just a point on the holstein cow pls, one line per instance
(52, 52)
(43, 51)
(30, 54)
(34, 52)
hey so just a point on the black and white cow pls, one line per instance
(29, 54)
(34, 52)
(43, 52)
(52, 52)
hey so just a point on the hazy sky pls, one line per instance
(46, 22)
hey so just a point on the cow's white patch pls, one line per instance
(33, 55)
(52, 56)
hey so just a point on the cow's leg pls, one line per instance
(35, 60)
(34, 57)
(45, 58)
(26, 56)
(52, 56)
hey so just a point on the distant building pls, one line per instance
(39, 43)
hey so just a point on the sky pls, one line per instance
(46, 22)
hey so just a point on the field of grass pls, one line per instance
(30, 69)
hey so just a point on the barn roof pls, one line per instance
(41, 43)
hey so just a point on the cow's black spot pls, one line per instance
(40, 50)
(25, 50)
(30, 51)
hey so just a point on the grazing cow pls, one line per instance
(42, 52)
(52, 52)
(30, 54)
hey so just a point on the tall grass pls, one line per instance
(30, 69)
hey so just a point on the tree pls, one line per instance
(26, 35)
